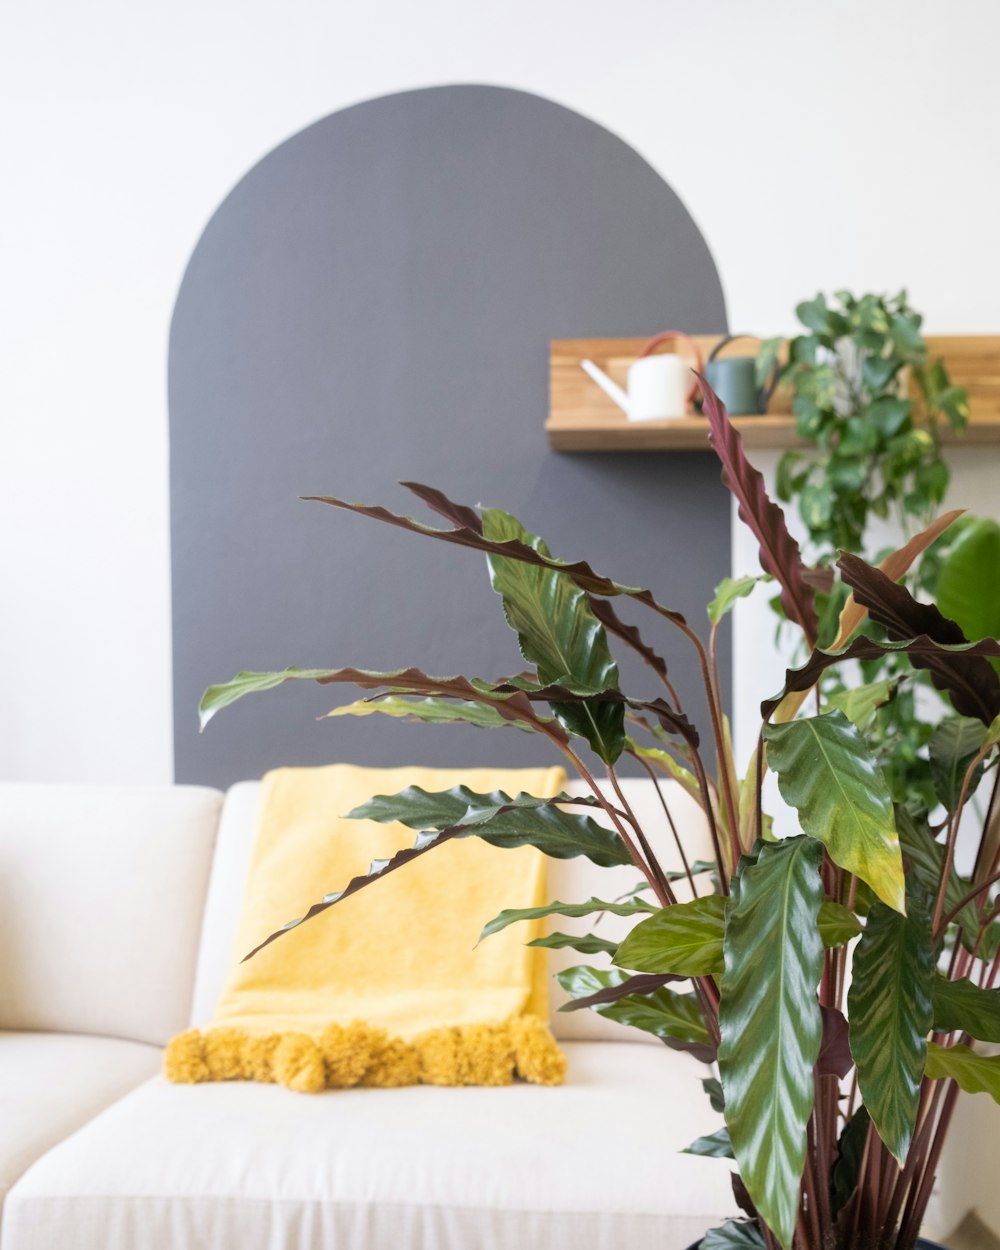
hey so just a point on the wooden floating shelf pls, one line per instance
(583, 418)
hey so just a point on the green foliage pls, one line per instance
(847, 1165)
(960, 1006)
(728, 592)
(968, 588)
(976, 1074)
(827, 773)
(557, 632)
(500, 820)
(685, 939)
(952, 748)
(433, 712)
(889, 1014)
(664, 1013)
(770, 1023)
(877, 449)
(584, 943)
(592, 906)
(733, 1235)
(713, 1146)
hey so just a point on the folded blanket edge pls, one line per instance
(345, 1056)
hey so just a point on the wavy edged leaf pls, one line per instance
(889, 1014)
(662, 1012)
(771, 1023)
(487, 820)
(895, 565)
(584, 943)
(779, 552)
(512, 915)
(798, 680)
(685, 939)
(976, 1074)
(435, 712)
(469, 536)
(963, 1007)
(971, 683)
(501, 820)
(557, 632)
(827, 773)
(512, 700)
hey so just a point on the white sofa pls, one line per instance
(117, 917)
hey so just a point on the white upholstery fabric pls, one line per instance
(101, 896)
(585, 1166)
(570, 880)
(52, 1083)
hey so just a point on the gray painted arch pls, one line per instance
(373, 302)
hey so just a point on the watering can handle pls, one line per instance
(767, 390)
(662, 337)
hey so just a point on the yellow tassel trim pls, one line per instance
(357, 1054)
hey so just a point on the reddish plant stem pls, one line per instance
(647, 850)
(920, 1194)
(715, 712)
(670, 821)
(949, 854)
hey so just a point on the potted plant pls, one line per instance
(836, 1100)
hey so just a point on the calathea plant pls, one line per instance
(836, 1101)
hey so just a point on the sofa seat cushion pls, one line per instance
(53, 1083)
(583, 1166)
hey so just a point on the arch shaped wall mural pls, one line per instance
(374, 302)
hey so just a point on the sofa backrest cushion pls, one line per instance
(102, 891)
(569, 880)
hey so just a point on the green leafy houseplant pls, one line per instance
(836, 1102)
(871, 404)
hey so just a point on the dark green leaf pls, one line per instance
(685, 939)
(714, 1146)
(827, 773)
(771, 1024)
(663, 1013)
(633, 907)
(961, 1006)
(713, 1088)
(837, 924)
(889, 414)
(889, 1010)
(952, 747)
(847, 1165)
(559, 633)
(501, 821)
(976, 1074)
(585, 943)
(733, 1235)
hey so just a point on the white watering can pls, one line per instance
(658, 386)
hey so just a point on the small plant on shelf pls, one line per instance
(836, 1102)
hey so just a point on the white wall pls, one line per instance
(852, 143)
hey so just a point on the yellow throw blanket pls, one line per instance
(389, 986)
